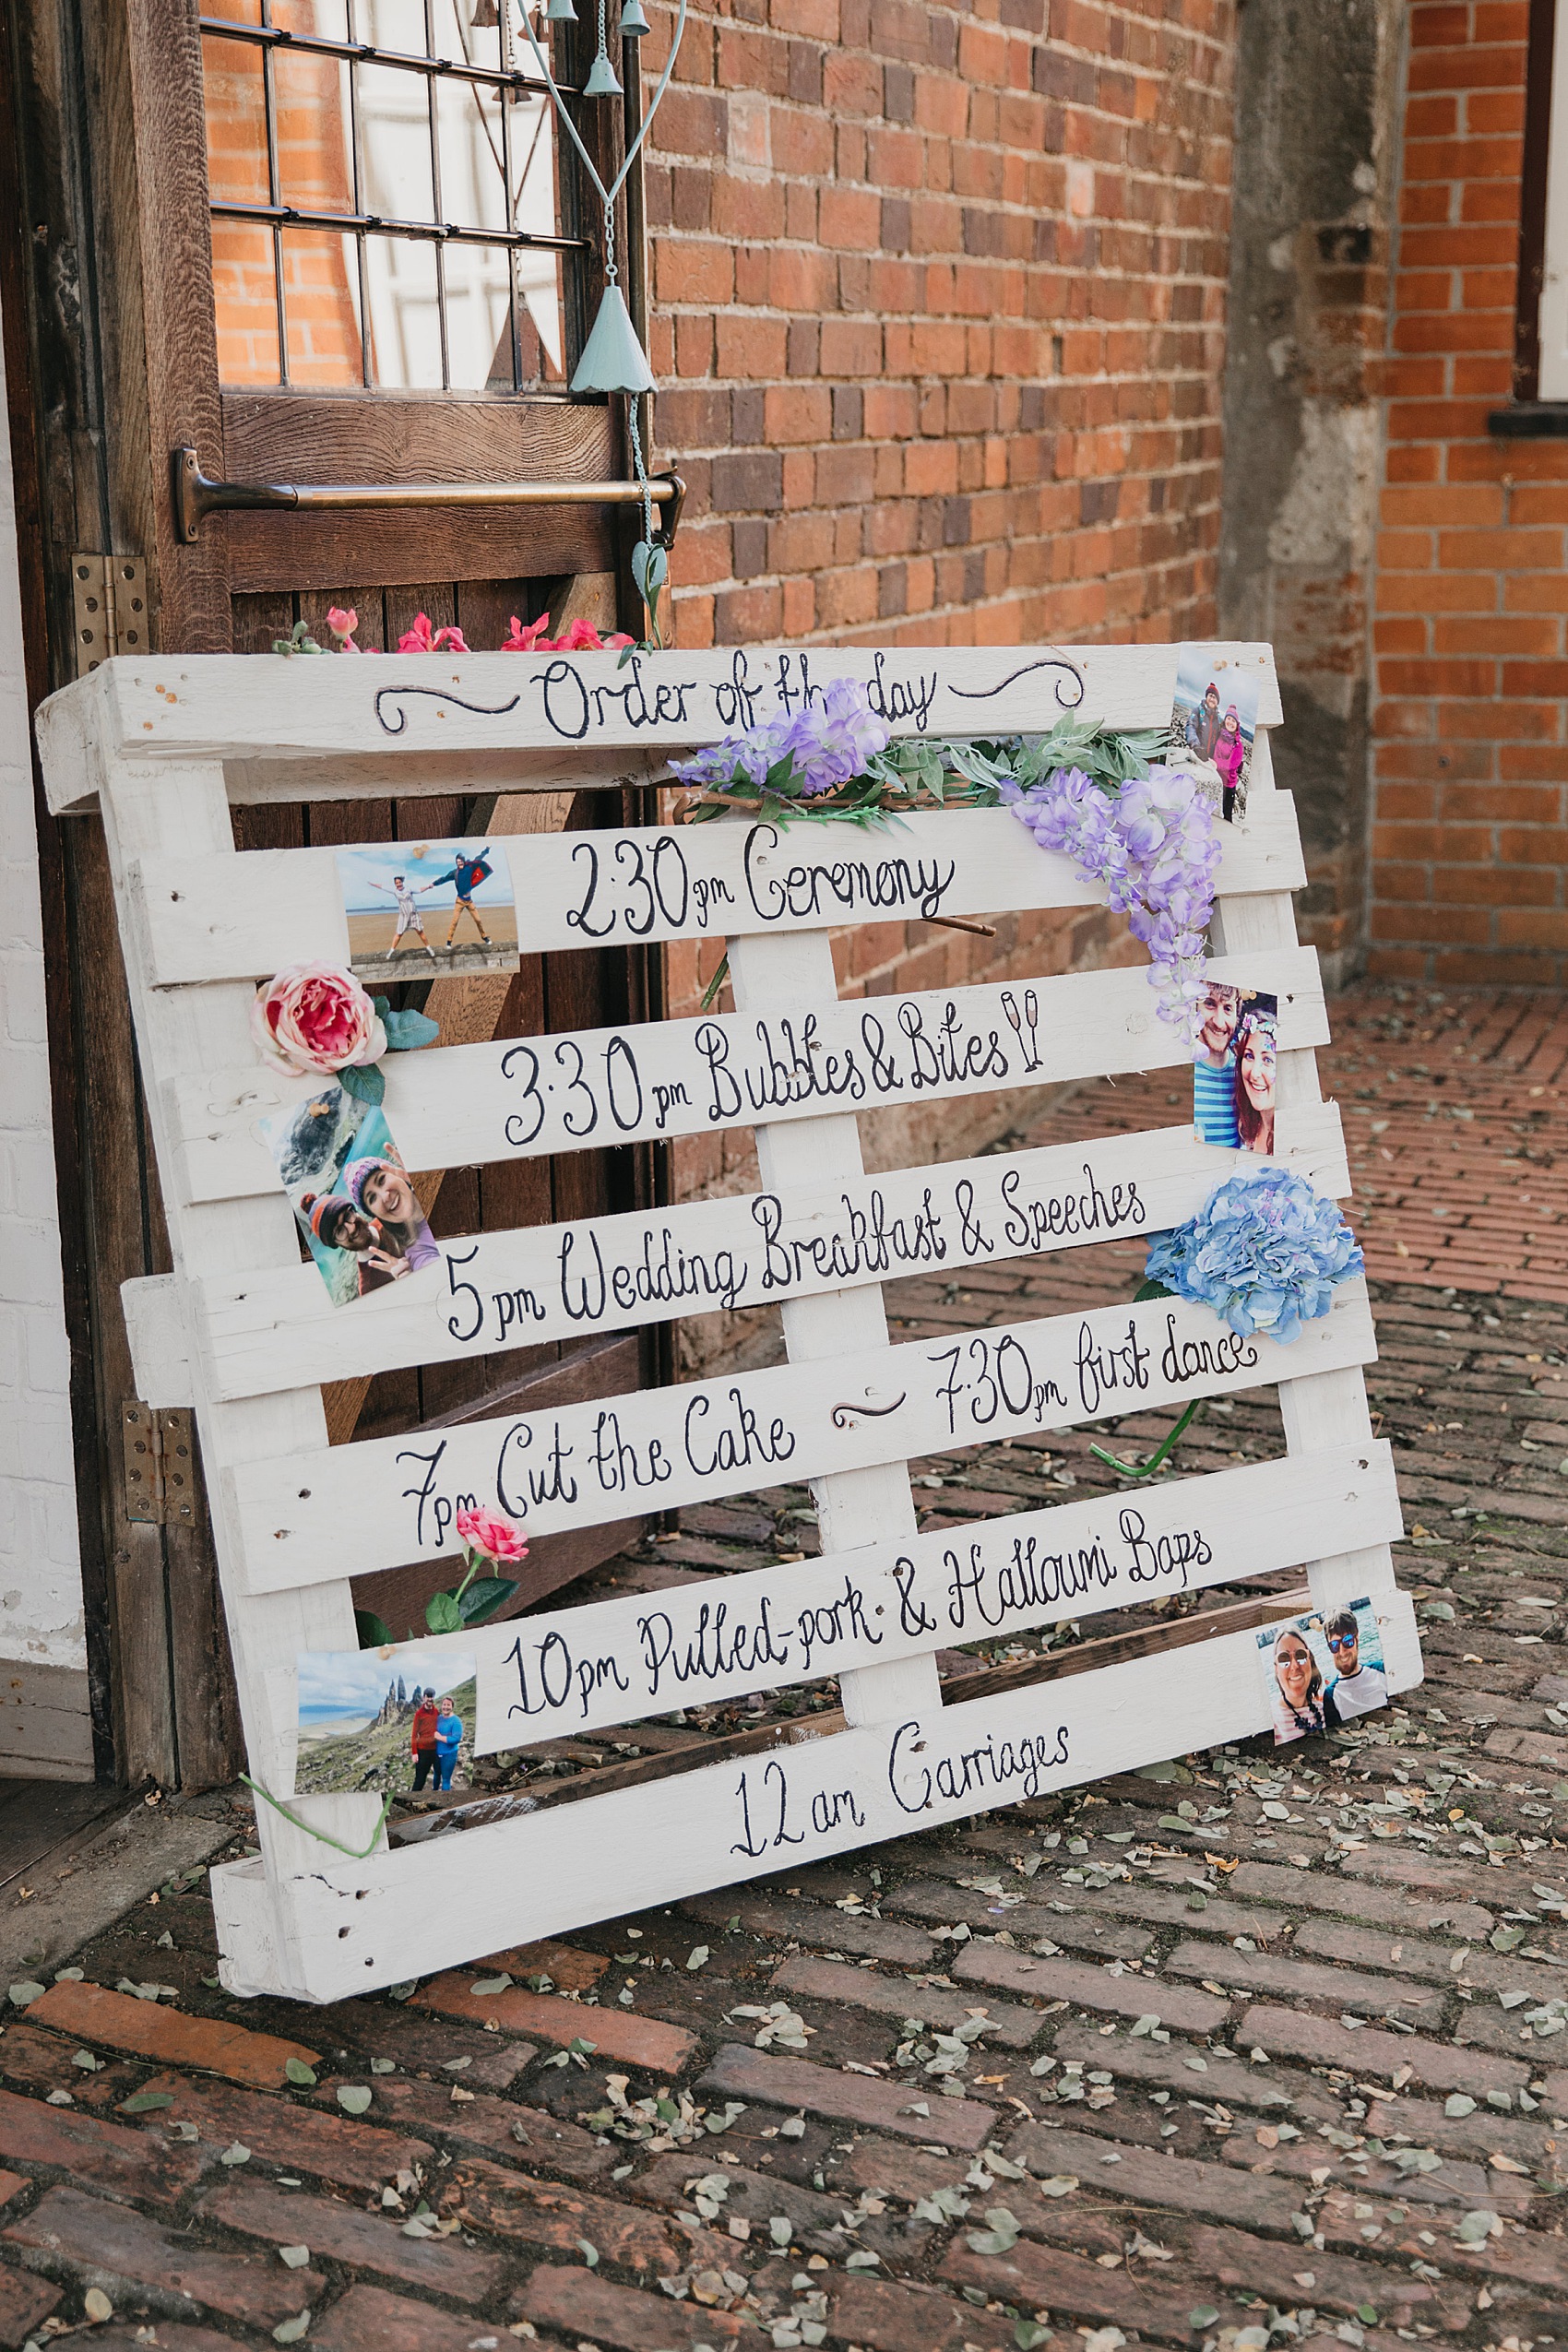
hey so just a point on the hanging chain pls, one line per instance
(639, 464)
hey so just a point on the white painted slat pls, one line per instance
(191, 1030)
(628, 888)
(345, 1510)
(552, 1673)
(455, 1106)
(488, 1292)
(242, 707)
(1330, 1409)
(293, 1518)
(858, 1505)
(359, 1925)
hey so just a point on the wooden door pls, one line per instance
(313, 241)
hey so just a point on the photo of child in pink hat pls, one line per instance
(1214, 720)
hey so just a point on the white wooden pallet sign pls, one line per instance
(241, 1331)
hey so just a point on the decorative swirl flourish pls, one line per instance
(1048, 662)
(439, 694)
(845, 1416)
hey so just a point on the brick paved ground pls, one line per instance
(1348, 2127)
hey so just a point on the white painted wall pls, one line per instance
(40, 1577)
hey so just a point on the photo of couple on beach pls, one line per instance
(399, 1719)
(351, 1195)
(418, 909)
(1233, 1067)
(1323, 1670)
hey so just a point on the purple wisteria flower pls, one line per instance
(1153, 847)
(1265, 1252)
(826, 744)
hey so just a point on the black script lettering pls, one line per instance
(614, 1463)
(908, 1738)
(566, 701)
(724, 1095)
(1122, 1364)
(420, 1495)
(914, 1618)
(739, 1442)
(1157, 1559)
(900, 698)
(1185, 1360)
(554, 1483)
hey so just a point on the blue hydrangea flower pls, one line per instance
(1265, 1252)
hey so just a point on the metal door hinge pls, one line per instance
(108, 607)
(160, 1466)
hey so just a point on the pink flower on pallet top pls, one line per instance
(423, 638)
(492, 1535)
(581, 638)
(342, 624)
(313, 1018)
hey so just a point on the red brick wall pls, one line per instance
(1470, 758)
(938, 307)
(940, 297)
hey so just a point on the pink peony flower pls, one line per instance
(342, 626)
(315, 1016)
(493, 1535)
(423, 638)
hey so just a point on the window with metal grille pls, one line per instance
(384, 184)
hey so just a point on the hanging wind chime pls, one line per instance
(614, 359)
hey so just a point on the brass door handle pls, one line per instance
(196, 494)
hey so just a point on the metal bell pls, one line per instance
(560, 12)
(601, 81)
(614, 359)
(634, 24)
(485, 18)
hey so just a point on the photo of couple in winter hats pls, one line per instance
(350, 1192)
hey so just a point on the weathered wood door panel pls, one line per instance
(184, 169)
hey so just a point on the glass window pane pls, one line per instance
(235, 106)
(310, 97)
(479, 306)
(533, 165)
(395, 143)
(539, 315)
(392, 24)
(245, 297)
(326, 18)
(321, 302)
(468, 32)
(238, 12)
(473, 193)
(405, 316)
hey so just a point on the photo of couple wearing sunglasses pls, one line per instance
(1323, 1671)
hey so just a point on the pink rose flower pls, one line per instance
(493, 1535)
(315, 1016)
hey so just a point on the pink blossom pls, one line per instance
(523, 640)
(581, 638)
(493, 1535)
(342, 625)
(315, 1016)
(424, 637)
